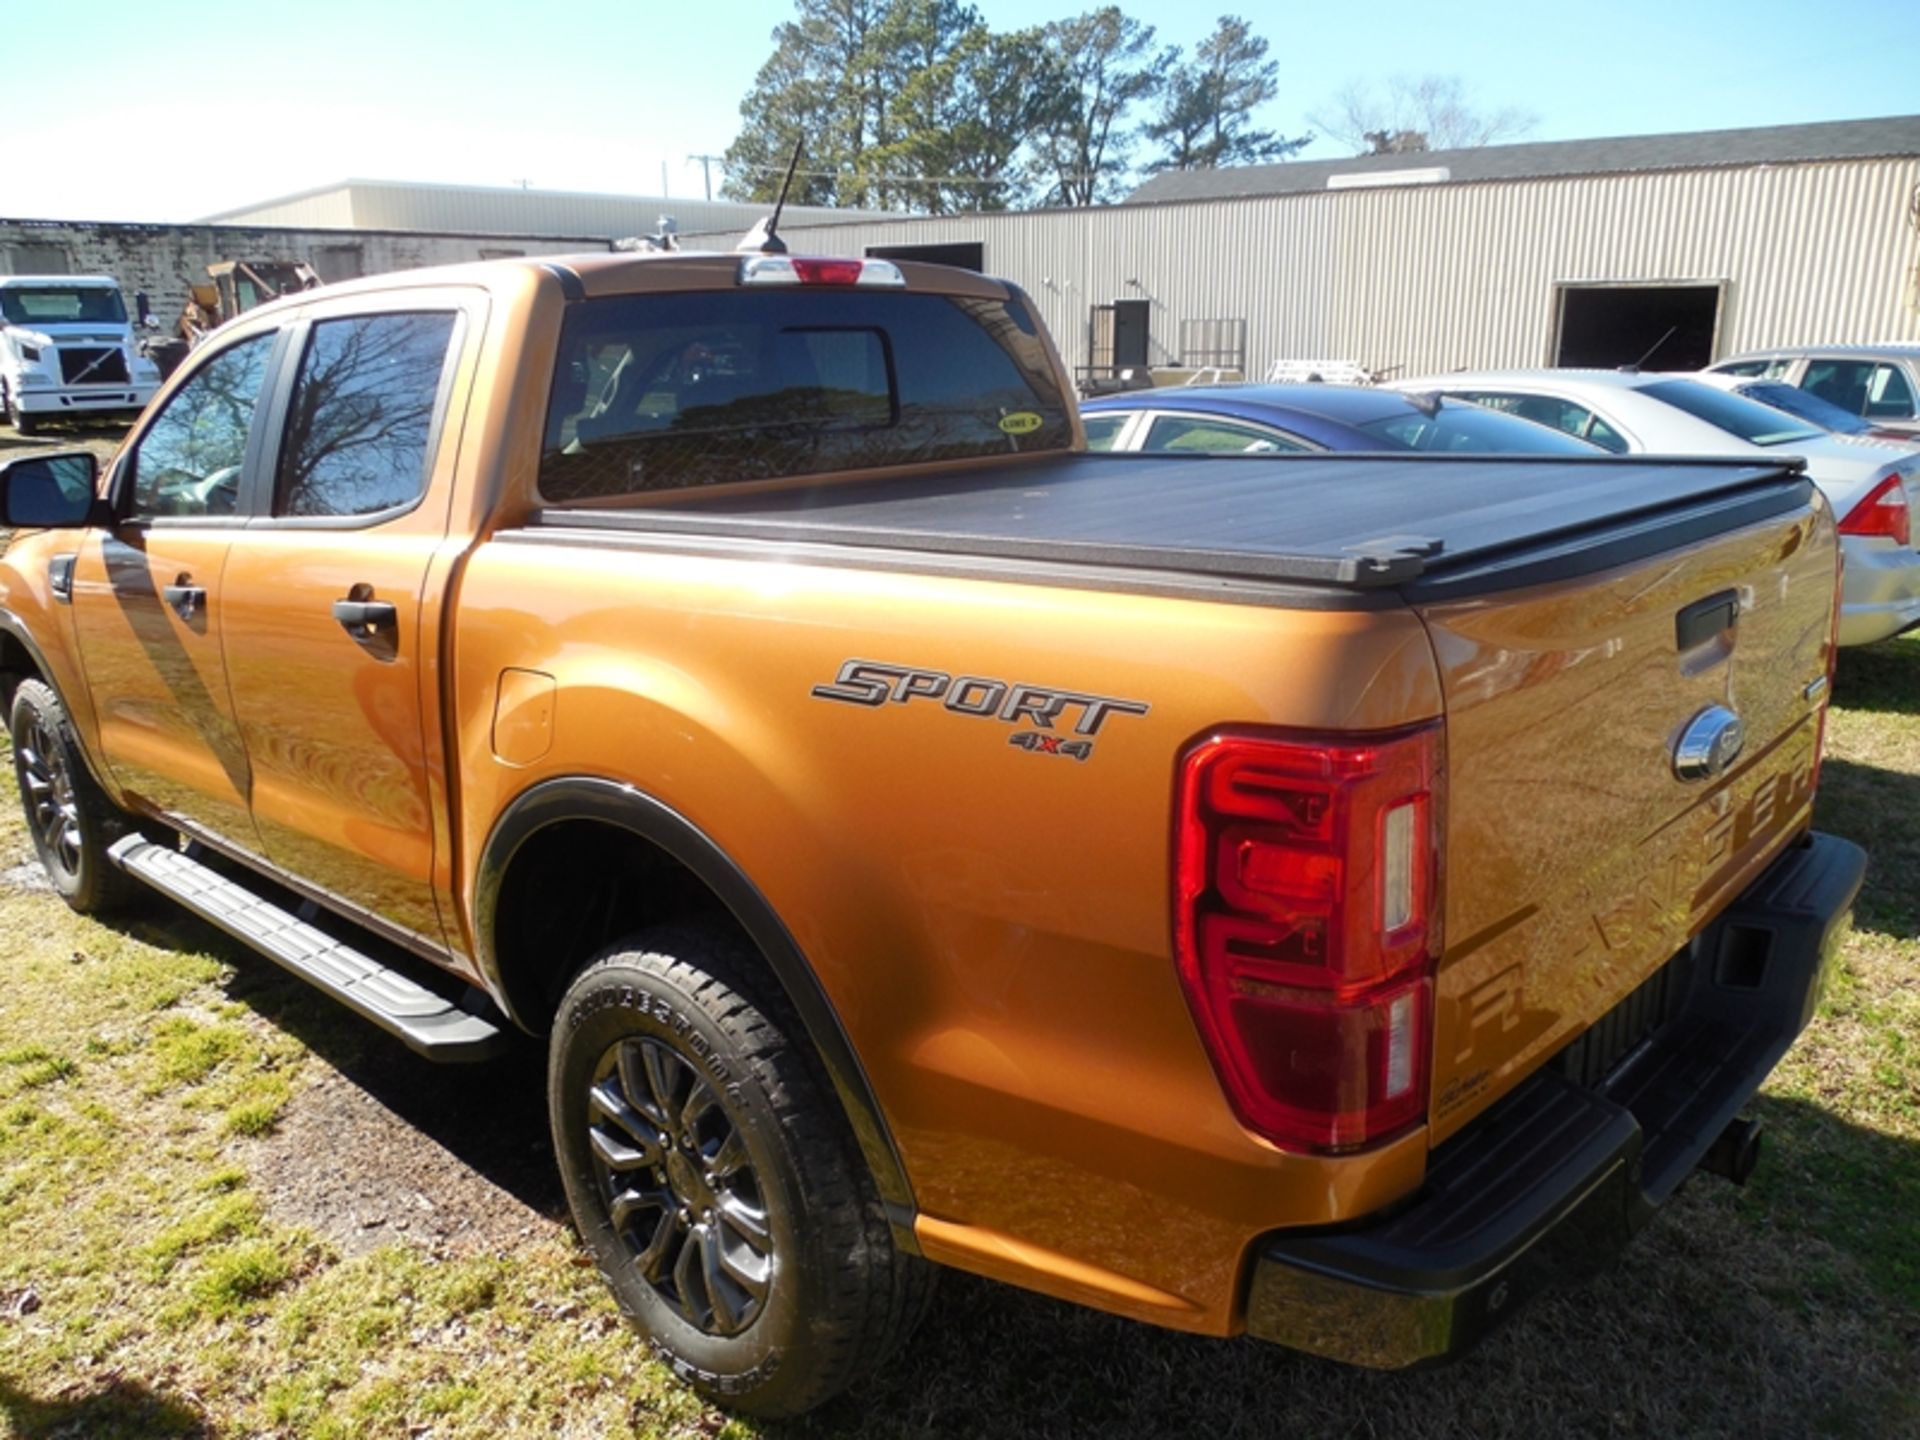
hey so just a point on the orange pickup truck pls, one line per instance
(1312, 896)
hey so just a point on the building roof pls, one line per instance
(361, 204)
(1694, 150)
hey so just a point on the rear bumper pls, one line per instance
(1555, 1177)
(1879, 589)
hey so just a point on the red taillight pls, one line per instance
(1306, 919)
(1883, 512)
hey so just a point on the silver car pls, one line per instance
(1879, 383)
(1873, 485)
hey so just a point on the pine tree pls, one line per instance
(1207, 105)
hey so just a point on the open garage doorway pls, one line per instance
(1657, 327)
(964, 254)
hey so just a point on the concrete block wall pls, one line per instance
(163, 260)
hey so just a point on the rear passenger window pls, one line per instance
(1605, 436)
(1859, 387)
(1103, 430)
(1889, 396)
(1555, 414)
(1179, 436)
(360, 428)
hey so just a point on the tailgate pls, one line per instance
(1576, 862)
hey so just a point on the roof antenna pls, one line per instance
(1634, 368)
(763, 237)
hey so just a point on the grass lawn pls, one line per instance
(229, 1208)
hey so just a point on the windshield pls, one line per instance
(1461, 428)
(55, 304)
(1749, 420)
(1807, 406)
(669, 392)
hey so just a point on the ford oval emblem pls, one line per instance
(1710, 743)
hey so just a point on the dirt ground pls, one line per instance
(387, 1181)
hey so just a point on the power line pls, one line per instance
(862, 178)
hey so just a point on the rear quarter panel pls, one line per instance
(991, 923)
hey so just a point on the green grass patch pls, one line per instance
(33, 1066)
(233, 1278)
(185, 1051)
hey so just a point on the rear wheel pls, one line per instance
(714, 1177)
(70, 818)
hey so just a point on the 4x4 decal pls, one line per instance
(874, 683)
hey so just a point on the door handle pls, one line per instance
(363, 619)
(186, 600)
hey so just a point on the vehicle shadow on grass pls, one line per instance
(1879, 810)
(116, 1409)
(1773, 1310)
(1883, 678)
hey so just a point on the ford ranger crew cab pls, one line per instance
(1302, 896)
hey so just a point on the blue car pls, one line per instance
(1271, 419)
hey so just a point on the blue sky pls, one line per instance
(106, 119)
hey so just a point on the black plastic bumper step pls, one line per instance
(429, 1023)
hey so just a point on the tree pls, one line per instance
(825, 82)
(963, 119)
(1413, 113)
(1105, 63)
(1207, 104)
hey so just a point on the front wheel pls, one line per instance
(713, 1175)
(22, 422)
(69, 816)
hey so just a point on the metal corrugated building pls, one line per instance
(1572, 252)
(502, 210)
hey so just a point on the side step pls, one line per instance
(428, 1023)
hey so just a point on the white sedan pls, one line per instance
(1873, 486)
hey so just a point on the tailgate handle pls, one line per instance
(1704, 619)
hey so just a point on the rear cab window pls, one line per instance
(657, 393)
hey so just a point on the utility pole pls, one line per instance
(707, 162)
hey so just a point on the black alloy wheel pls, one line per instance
(46, 789)
(680, 1186)
(69, 816)
(715, 1179)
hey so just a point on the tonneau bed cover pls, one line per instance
(1440, 525)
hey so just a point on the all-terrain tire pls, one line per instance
(69, 816)
(23, 423)
(653, 1020)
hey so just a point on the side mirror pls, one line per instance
(48, 492)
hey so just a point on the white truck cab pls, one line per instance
(67, 351)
